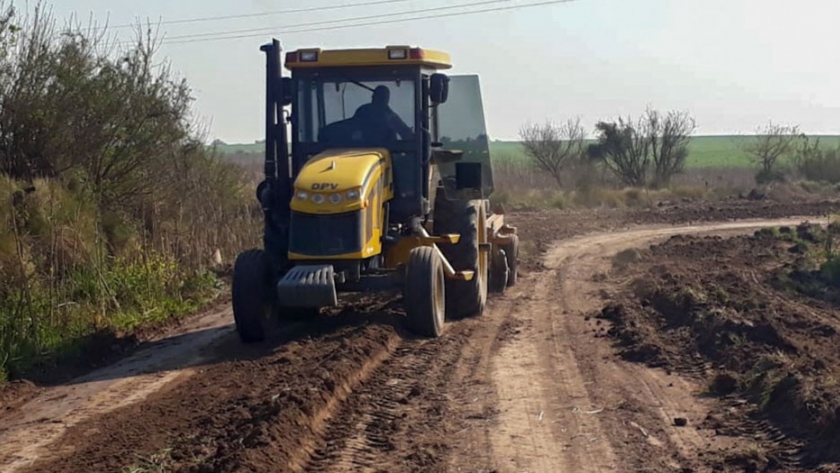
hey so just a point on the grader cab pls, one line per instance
(354, 140)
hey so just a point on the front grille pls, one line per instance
(326, 235)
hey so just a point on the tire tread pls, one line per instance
(250, 294)
(423, 268)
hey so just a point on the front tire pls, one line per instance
(252, 297)
(499, 272)
(512, 256)
(425, 293)
(464, 298)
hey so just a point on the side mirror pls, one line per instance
(439, 88)
(286, 85)
(264, 194)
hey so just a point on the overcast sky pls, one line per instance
(734, 64)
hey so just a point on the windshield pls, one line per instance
(354, 112)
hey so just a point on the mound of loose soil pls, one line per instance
(736, 313)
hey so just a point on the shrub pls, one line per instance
(555, 149)
(830, 270)
(817, 163)
(110, 206)
(770, 145)
(655, 145)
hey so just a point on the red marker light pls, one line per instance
(416, 53)
(291, 57)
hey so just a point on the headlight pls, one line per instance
(335, 198)
(302, 195)
(352, 194)
(318, 198)
(308, 56)
(397, 53)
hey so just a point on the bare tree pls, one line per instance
(554, 149)
(624, 149)
(771, 143)
(669, 135)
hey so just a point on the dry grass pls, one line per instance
(519, 186)
(71, 269)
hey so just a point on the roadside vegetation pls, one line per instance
(112, 212)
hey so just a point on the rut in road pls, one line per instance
(398, 416)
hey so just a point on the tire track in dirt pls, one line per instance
(540, 386)
(362, 434)
(398, 420)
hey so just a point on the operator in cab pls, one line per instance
(378, 122)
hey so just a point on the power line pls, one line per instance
(178, 39)
(263, 14)
(385, 22)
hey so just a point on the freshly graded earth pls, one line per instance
(708, 351)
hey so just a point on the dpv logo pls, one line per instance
(324, 186)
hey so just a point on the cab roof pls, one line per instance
(315, 58)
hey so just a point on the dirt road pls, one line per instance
(527, 387)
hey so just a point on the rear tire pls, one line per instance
(512, 256)
(425, 293)
(252, 297)
(464, 298)
(499, 272)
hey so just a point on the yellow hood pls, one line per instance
(341, 170)
(336, 172)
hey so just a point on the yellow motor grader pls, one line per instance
(377, 174)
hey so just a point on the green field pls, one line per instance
(704, 151)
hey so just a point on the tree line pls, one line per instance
(650, 150)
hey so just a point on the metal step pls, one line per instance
(308, 286)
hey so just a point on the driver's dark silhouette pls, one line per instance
(378, 122)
